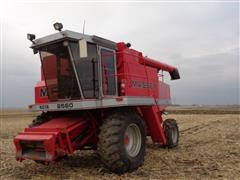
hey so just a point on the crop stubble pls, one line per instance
(209, 148)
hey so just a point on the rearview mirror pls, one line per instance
(82, 48)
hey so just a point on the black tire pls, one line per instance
(171, 132)
(40, 162)
(112, 138)
(39, 120)
(36, 122)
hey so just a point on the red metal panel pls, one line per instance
(33, 137)
(40, 93)
(164, 90)
(47, 141)
(154, 122)
(140, 80)
(54, 136)
(57, 124)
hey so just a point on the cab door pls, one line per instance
(108, 72)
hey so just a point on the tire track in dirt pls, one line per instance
(195, 129)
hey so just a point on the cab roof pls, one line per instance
(72, 36)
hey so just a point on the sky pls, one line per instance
(200, 38)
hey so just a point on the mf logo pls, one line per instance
(43, 92)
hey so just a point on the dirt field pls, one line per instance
(209, 148)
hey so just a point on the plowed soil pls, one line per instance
(209, 148)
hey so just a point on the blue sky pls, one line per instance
(201, 39)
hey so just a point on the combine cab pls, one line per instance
(96, 94)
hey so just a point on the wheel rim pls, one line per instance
(174, 135)
(132, 140)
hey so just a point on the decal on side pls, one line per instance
(65, 106)
(141, 84)
(43, 92)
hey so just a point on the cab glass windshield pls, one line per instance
(58, 72)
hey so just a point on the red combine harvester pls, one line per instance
(96, 94)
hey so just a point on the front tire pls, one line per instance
(122, 141)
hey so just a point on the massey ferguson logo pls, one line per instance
(142, 84)
(43, 92)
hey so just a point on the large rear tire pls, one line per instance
(122, 141)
